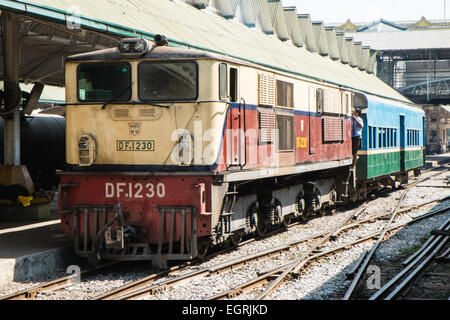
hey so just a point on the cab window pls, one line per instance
(167, 81)
(104, 82)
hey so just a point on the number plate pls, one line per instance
(135, 145)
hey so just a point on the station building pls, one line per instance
(414, 58)
(38, 35)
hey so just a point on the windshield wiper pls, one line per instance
(118, 95)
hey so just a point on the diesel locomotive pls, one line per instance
(173, 150)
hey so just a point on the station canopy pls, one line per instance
(51, 30)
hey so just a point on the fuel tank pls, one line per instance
(42, 147)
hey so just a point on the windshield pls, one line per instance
(167, 81)
(104, 82)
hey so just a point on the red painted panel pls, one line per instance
(308, 144)
(139, 197)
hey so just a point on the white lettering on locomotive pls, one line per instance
(134, 190)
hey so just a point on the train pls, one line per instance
(174, 150)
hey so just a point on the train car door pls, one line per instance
(311, 121)
(402, 142)
(424, 138)
(236, 152)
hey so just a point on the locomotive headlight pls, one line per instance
(86, 150)
(140, 46)
(133, 46)
(124, 47)
(84, 143)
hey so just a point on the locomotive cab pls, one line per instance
(137, 105)
(144, 123)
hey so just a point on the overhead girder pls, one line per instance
(33, 51)
(54, 43)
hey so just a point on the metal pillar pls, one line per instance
(10, 34)
(12, 172)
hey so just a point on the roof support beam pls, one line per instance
(307, 29)
(353, 61)
(358, 49)
(332, 43)
(365, 57)
(372, 62)
(265, 18)
(321, 38)
(250, 10)
(199, 4)
(343, 47)
(293, 25)
(10, 35)
(278, 19)
(227, 8)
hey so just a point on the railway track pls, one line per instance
(69, 280)
(148, 286)
(365, 263)
(278, 275)
(416, 265)
(281, 272)
(56, 284)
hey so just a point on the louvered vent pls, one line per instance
(266, 90)
(332, 101)
(121, 113)
(266, 127)
(149, 113)
(285, 94)
(285, 132)
(333, 129)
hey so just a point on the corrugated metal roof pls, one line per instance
(446, 108)
(50, 94)
(405, 40)
(187, 25)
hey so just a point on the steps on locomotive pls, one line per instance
(33, 249)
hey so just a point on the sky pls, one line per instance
(335, 11)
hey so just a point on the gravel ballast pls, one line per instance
(324, 279)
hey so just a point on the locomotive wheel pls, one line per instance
(301, 213)
(286, 221)
(303, 217)
(235, 238)
(261, 227)
(202, 248)
(255, 221)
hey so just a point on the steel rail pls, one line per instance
(128, 289)
(425, 256)
(53, 285)
(132, 290)
(264, 276)
(369, 256)
(318, 243)
(138, 289)
(141, 288)
(30, 293)
(124, 291)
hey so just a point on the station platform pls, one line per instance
(436, 160)
(32, 249)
